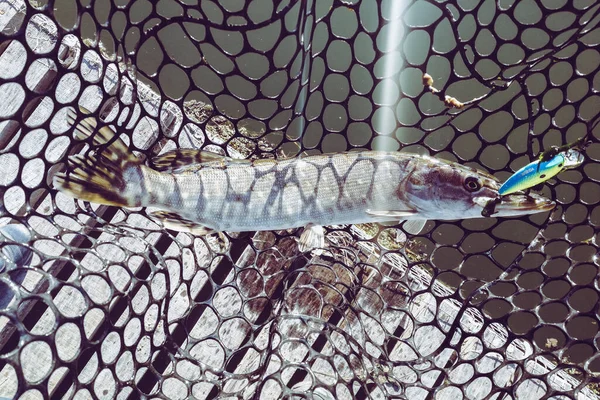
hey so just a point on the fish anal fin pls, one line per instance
(414, 226)
(174, 221)
(313, 237)
(392, 214)
(182, 160)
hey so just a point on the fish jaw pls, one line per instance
(519, 204)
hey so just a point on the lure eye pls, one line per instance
(472, 184)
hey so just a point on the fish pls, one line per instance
(201, 193)
(540, 171)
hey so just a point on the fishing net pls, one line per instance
(110, 305)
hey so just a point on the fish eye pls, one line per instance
(472, 184)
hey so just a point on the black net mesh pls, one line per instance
(112, 306)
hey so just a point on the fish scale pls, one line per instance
(292, 193)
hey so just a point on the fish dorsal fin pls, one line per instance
(88, 127)
(185, 160)
(391, 214)
(174, 221)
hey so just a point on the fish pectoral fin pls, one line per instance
(186, 160)
(414, 226)
(392, 214)
(313, 237)
(176, 222)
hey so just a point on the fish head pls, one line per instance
(446, 190)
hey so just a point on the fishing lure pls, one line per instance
(550, 164)
(554, 151)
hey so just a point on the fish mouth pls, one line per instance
(514, 205)
(522, 204)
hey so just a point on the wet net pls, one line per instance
(109, 305)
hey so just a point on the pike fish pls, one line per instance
(200, 192)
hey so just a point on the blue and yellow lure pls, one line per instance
(541, 170)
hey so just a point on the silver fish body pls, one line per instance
(270, 195)
(344, 188)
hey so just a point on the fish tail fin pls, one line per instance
(110, 175)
